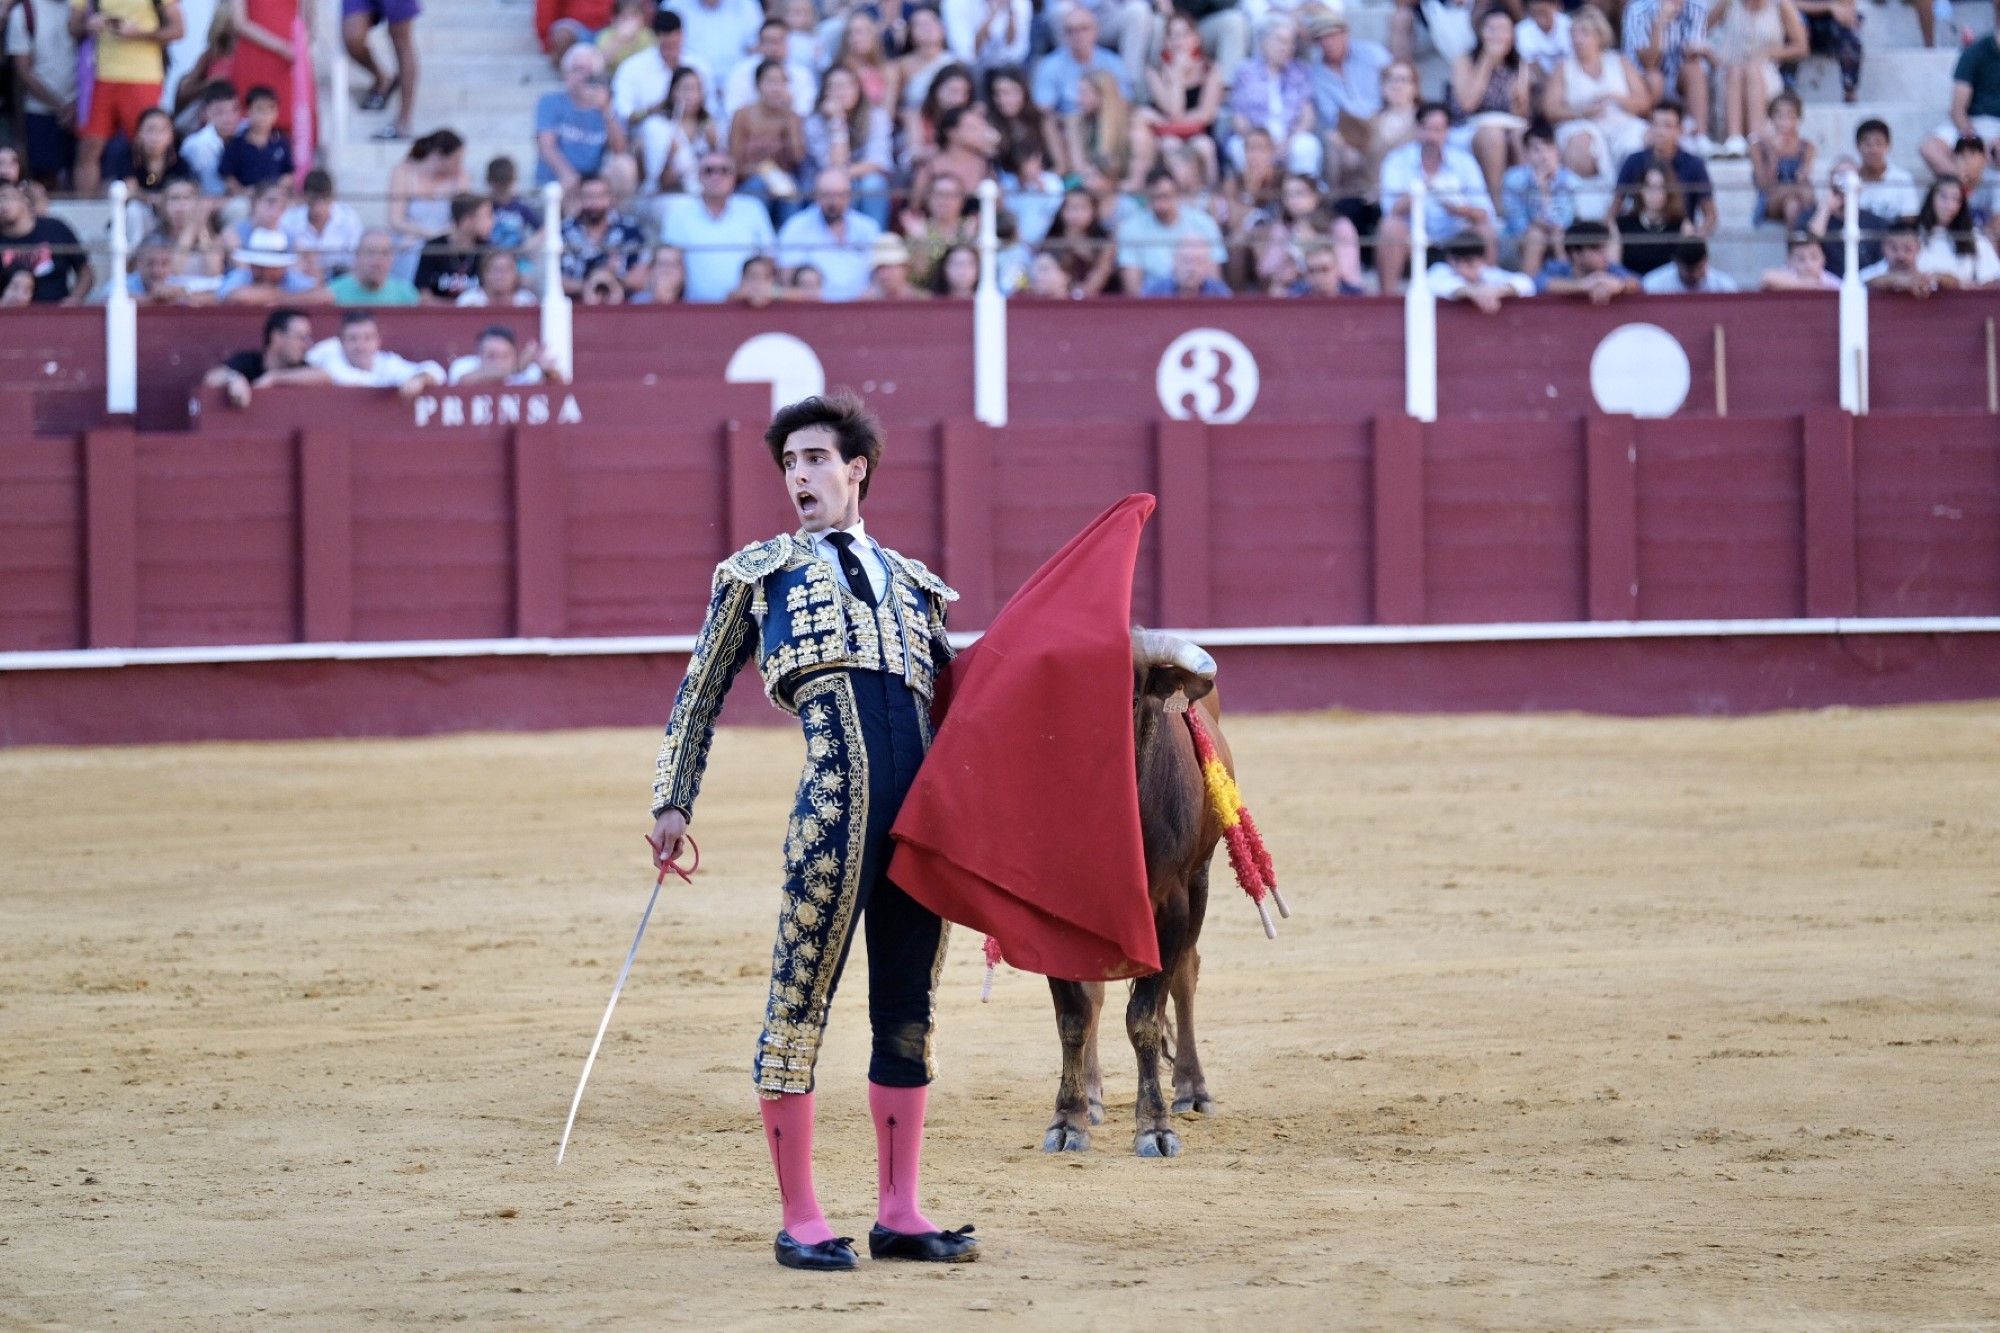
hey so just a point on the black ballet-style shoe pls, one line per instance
(935, 1247)
(826, 1256)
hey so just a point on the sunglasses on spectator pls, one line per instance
(716, 168)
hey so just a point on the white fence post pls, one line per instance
(1420, 352)
(989, 318)
(121, 319)
(332, 57)
(558, 323)
(1853, 309)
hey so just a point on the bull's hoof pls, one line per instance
(1065, 1138)
(1199, 1103)
(1157, 1143)
(1096, 1112)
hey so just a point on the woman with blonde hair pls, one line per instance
(861, 51)
(1596, 99)
(1103, 130)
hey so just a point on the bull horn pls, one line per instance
(1151, 648)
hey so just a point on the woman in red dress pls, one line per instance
(274, 49)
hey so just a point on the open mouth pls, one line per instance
(806, 502)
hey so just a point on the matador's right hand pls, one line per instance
(668, 831)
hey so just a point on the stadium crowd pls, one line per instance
(832, 150)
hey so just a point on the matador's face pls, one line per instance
(825, 489)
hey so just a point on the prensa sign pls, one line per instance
(500, 408)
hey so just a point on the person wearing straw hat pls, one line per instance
(266, 272)
(889, 271)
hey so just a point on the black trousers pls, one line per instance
(866, 734)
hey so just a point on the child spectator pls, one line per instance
(1804, 269)
(1537, 200)
(44, 57)
(1885, 191)
(1688, 273)
(449, 266)
(1970, 159)
(1781, 165)
(1464, 275)
(131, 65)
(260, 152)
(273, 48)
(1033, 194)
(1952, 246)
(514, 219)
(372, 280)
(221, 116)
(1588, 270)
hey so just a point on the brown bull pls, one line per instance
(1180, 829)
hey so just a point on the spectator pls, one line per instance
(221, 116)
(967, 142)
(1827, 222)
(860, 49)
(1489, 99)
(515, 219)
(1589, 271)
(274, 49)
(1898, 269)
(449, 266)
(45, 247)
(1804, 269)
(373, 280)
(421, 188)
(767, 139)
(801, 32)
(719, 32)
(1080, 242)
(260, 152)
(12, 167)
(1885, 191)
(630, 33)
(502, 360)
(1597, 99)
(672, 142)
(265, 271)
(155, 161)
(832, 238)
(1537, 200)
(644, 84)
(499, 282)
(919, 66)
(1664, 150)
(1347, 90)
(1302, 222)
(956, 275)
(1457, 203)
(1023, 128)
(1668, 41)
(1464, 275)
(1752, 39)
(1543, 37)
(889, 278)
(847, 134)
(599, 236)
(281, 360)
(1655, 226)
(987, 34)
(1148, 241)
(184, 224)
(739, 89)
(561, 24)
(1047, 279)
(153, 280)
(357, 361)
(1323, 277)
(950, 88)
(266, 213)
(1059, 75)
(1192, 271)
(716, 230)
(1833, 28)
(17, 286)
(1975, 101)
(130, 67)
(1689, 273)
(666, 278)
(1970, 157)
(45, 69)
(757, 286)
(576, 132)
(935, 224)
(1275, 93)
(1033, 194)
(1781, 164)
(1952, 246)
(1396, 123)
(322, 230)
(356, 18)
(1103, 133)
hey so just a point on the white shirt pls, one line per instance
(465, 365)
(474, 295)
(52, 51)
(389, 371)
(718, 37)
(1894, 196)
(962, 22)
(740, 88)
(1544, 50)
(844, 265)
(715, 247)
(642, 81)
(1666, 281)
(335, 244)
(1446, 283)
(865, 551)
(1941, 256)
(1458, 179)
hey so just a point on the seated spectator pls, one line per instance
(222, 116)
(846, 133)
(155, 161)
(889, 277)
(672, 142)
(1752, 38)
(767, 141)
(268, 203)
(17, 286)
(1537, 200)
(1033, 194)
(1274, 92)
(1103, 133)
(1952, 246)
(739, 86)
(185, 224)
(1972, 159)
(281, 360)
(1667, 41)
(499, 283)
(940, 220)
(1457, 203)
(966, 145)
(644, 84)
(1543, 37)
(949, 89)
(1023, 130)
(515, 219)
(1489, 99)
(501, 359)
(373, 280)
(1689, 273)
(357, 361)
(561, 24)
(987, 34)
(1664, 150)
(719, 31)
(1347, 89)
(805, 284)
(322, 230)
(1059, 74)
(45, 247)
(153, 280)
(1827, 225)
(129, 64)
(1833, 28)
(1277, 240)
(926, 53)
(421, 187)
(1080, 242)
(757, 286)
(44, 58)
(260, 152)
(1396, 123)
(666, 278)
(1781, 162)
(1885, 191)
(265, 271)
(630, 33)
(854, 39)
(1192, 271)
(597, 236)
(1047, 279)
(1652, 231)
(1464, 275)
(1148, 242)
(1597, 99)
(1899, 270)
(716, 230)
(957, 274)
(1323, 278)
(1589, 270)
(449, 267)
(577, 133)
(1975, 103)
(832, 238)
(1804, 269)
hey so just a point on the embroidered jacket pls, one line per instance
(793, 609)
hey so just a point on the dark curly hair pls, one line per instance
(854, 427)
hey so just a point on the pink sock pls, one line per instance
(899, 1150)
(788, 1130)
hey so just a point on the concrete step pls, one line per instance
(1911, 75)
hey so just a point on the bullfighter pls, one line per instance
(850, 638)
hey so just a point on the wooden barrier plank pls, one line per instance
(1832, 566)
(1611, 476)
(111, 538)
(1399, 520)
(326, 536)
(1181, 464)
(749, 464)
(541, 533)
(966, 500)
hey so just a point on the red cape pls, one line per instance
(1024, 819)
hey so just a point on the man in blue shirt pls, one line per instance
(1193, 272)
(1061, 71)
(1665, 151)
(1148, 241)
(832, 238)
(1589, 270)
(575, 130)
(717, 230)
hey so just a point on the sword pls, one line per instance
(618, 987)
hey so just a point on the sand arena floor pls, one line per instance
(1579, 1023)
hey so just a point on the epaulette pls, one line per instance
(756, 560)
(921, 575)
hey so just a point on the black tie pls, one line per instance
(850, 565)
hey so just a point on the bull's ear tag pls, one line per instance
(1177, 702)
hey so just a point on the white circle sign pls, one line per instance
(788, 364)
(1641, 369)
(1209, 375)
